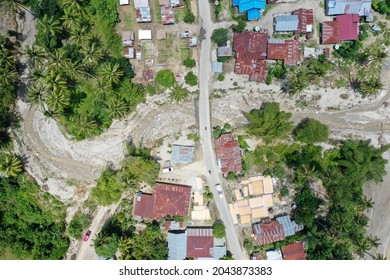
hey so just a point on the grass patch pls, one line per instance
(185, 53)
(128, 21)
(157, 12)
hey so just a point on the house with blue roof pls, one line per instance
(252, 8)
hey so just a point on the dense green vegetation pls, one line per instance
(189, 17)
(310, 131)
(191, 79)
(189, 62)
(105, 245)
(268, 122)
(220, 36)
(8, 88)
(78, 224)
(165, 78)
(382, 6)
(137, 167)
(78, 72)
(219, 229)
(32, 222)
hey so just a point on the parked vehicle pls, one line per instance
(219, 190)
(86, 236)
(167, 169)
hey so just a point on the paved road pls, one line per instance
(205, 134)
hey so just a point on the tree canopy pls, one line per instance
(268, 122)
(165, 78)
(311, 131)
(219, 229)
(220, 36)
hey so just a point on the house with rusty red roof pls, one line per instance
(287, 50)
(343, 28)
(166, 200)
(305, 20)
(195, 243)
(294, 251)
(268, 231)
(229, 155)
(250, 50)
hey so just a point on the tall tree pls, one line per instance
(11, 165)
(111, 72)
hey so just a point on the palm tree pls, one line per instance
(73, 69)
(58, 101)
(361, 220)
(83, 126)
(54, 82)
(102, 86)
(362, 246)
(38, 74)
(49, 25)
(373, 241)
(92, 54)
(117, 108)
(124, 245)
(11, 166)
(81, 35)
(379, 257)
(35, 54)
(371, 86)
(365, 203)
(5, 139)
(378, 56)
(12, 5)
(111, 72)
(36, 96)
(316, 70)
(100, 239)
(297, 80)
(57, 59)
(178, 93)
(8, 76)
(362, 58)
(71, 19)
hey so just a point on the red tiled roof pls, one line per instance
(256, 256)
(305, 18)
(229, 153)
(250, 47)
(172, 200)
(287, 50)
(147, 75)
(294, 252)
(167, 15)
(200, 242)
(167, 200)
(330, 32)
(267, 231)
(348, 27)
(143, 205)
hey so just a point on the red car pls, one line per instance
(86, 236)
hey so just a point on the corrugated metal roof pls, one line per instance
(274, 255)
(177, 245)
(253, 14)
(141, 3)
(348, 27)
(218, 252)
(200, 242)
(305, 20)
(339, 7)
(294, 251)
(229, 153)
(224, 51)
(329, 32)
(289, 227)
(217, 67)
(143, 14)
(286, 23)
(182, 154)
(268, 231)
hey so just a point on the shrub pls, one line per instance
(191, 79)
(165, 78)
(219, 229)
(189, 62)
(220, 36)
(310, 131)
(220, 77)
(78, 224)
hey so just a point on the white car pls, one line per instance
(219, 190)
(167, 169)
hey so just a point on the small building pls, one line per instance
(128, 38)
(224, 52)
(274, 255)
(217, 67)
(256, 257)
(167, 15)
(177, 3)
(129, 53)
(229, 155)
(287, 50)
(305, 20)
(294, 251)
(143, 15)
(185, 34)
(144, 34)
(193, 41)
(182, 154)
(344, 28)
(177, 245)
(268, 231)
(164, 2)
(290, 227)
(124, 2)
(253, 8)
(147, 75)
(141, 3)
(286, 23)
(251, 51)
(173, 225)
(341, 7)
(201, 244)
(166, 200)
